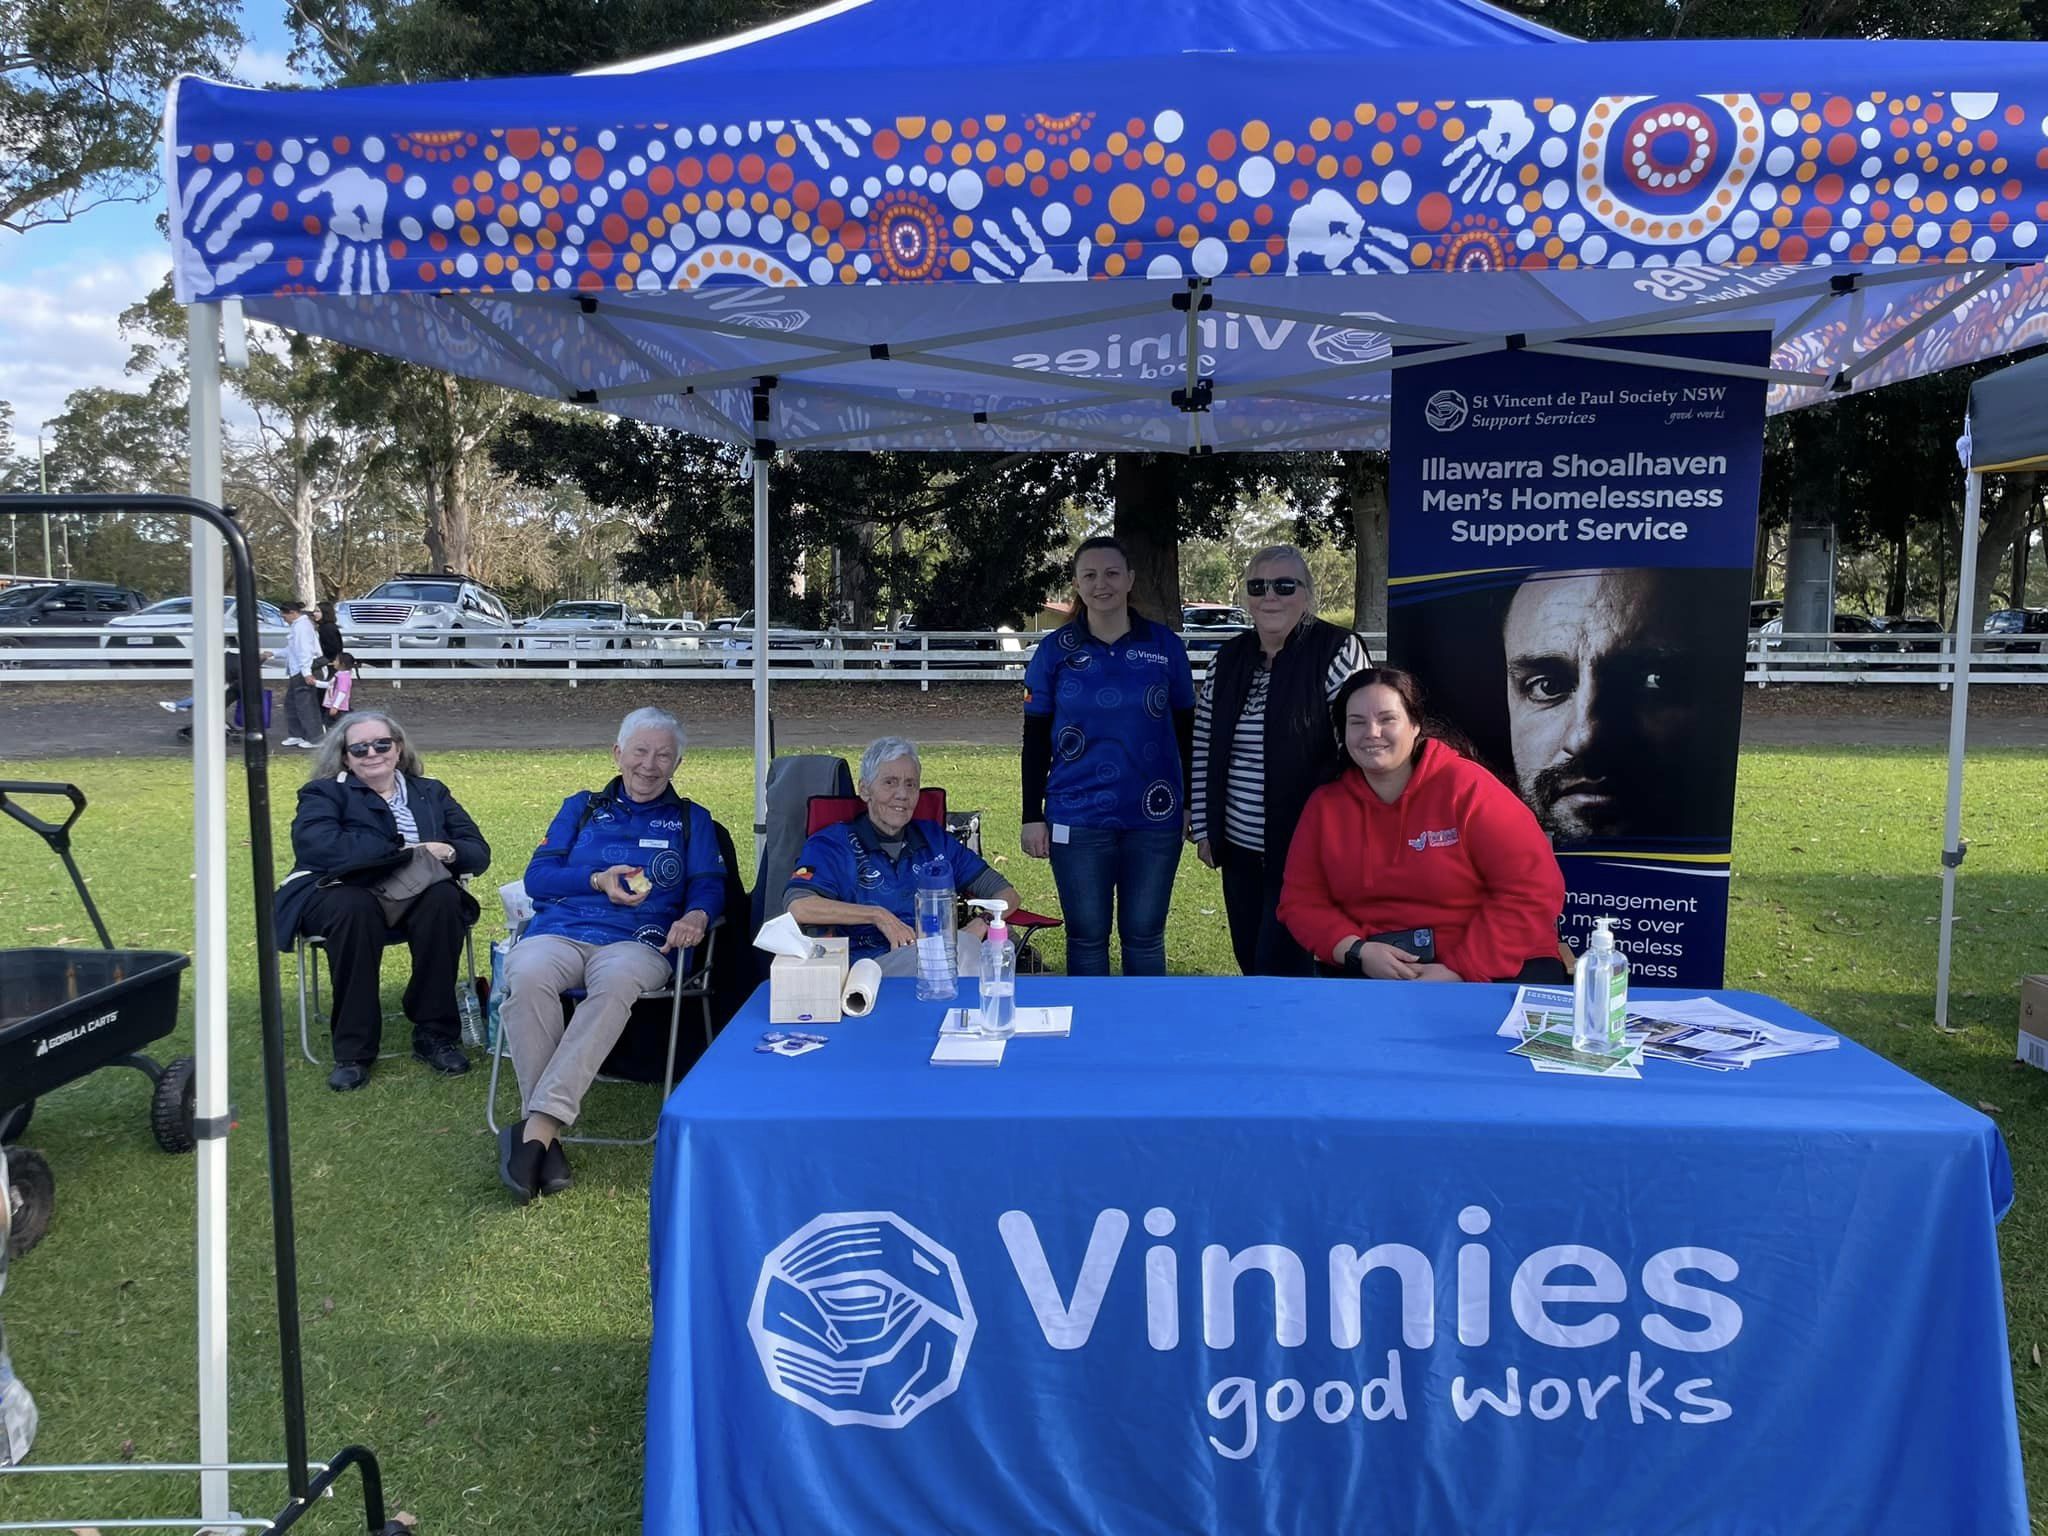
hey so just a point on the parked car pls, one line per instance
(1860, 634)
(1914, 634)
(675, 634)
(585, 628)
(916, 637)
(58, 606)
(1763, 610)
(167, 626)
(414, 610)
(2007, 623)
(1205, 626)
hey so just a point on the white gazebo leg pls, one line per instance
(1958, 729)
(763, 449)
(210, 910)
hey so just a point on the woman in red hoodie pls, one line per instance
(1410, 835)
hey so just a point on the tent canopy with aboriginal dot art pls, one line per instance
(1211, 225)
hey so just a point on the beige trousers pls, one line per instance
(556, 1061)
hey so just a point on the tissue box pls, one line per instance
(2033, 1048)
(808, 991)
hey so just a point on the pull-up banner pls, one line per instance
(1569, 569)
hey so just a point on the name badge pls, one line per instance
(1059, 833)
(653, 842)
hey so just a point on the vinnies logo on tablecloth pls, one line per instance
(862, 1319)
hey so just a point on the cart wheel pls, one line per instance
(31, 1197)
(15, 1121)
(170, 1108)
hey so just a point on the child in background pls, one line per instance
(338, 687)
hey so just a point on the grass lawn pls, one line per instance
(495, 1357)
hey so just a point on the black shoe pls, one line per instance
(519, 1162)
(555, 1177)
(348, 1076)
(443, 1056)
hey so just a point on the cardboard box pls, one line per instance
(2034, 1021)
(808, 991)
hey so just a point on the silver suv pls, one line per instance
(429, 611)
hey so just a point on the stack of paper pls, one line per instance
(1696, 1031)
(960, 1046)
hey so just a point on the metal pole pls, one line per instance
(764, 448)
(1958, 728)
(210, 906)
(43, 485)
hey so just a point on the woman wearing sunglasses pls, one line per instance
(375, 845)
(1108, 719)
(1263, 743)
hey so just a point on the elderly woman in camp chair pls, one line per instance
(626, 877)
(859, 877)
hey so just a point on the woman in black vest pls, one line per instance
(1263, 743)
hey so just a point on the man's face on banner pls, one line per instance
(1603, 706)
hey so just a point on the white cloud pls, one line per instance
(265, 66)
(60, 331)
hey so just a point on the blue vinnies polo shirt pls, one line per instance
(835, 864)
(1115, 759)
(671, 838)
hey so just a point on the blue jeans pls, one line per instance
(1097, 870)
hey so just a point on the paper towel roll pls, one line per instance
(863, 985)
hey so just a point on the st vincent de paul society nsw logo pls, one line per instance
(1446, 410)
(862, 1319)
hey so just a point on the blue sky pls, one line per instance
(62, 287)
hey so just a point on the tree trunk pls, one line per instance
(1148, 523)
(1895, 591)
(447, 531)
(2022, 552)
(2007, 514)
(300, 516)
(1367, 492)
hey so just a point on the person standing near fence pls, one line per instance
(1109, 720)
(1264, 743)
(302, 694)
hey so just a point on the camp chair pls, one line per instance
(830, 810)
(309, 978)
(694, 988)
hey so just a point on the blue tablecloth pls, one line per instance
(1318, 1256)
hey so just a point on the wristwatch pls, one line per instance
(1352, 962)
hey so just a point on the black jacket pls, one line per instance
(343, 830)
(1302, 748)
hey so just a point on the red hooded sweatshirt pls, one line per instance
(1457, 852)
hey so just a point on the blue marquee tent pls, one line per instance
(1165, 224)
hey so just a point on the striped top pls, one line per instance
(1244, 801)
(401, 811)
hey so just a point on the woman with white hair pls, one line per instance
(375, 844)
(860, 877)
(1264, 742)
(627, 876)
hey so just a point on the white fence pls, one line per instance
(96, 655)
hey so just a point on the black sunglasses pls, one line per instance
(1279, 586)
(377, 745)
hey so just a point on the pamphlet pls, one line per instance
(1552, 1050)
(964, 1050)
(1031, 1023)
(1697, 1031)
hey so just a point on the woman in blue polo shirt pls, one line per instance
(1109, 720)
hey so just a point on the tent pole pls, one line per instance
(1958, 728)
(764, 449)
(210, 907)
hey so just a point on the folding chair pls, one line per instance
(830, 810)
(309, 978)
(696, 987)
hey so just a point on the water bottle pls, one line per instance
(1600, 994)
(468, 1012)
(996, 1016)
(938, 978)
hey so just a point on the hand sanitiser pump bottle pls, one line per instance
(996, 1016)
(1600, 993)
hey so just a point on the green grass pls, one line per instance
(495, 1357)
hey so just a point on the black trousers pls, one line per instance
(352, 920)
(1251, 905)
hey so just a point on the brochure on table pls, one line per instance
(1698, 1032)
